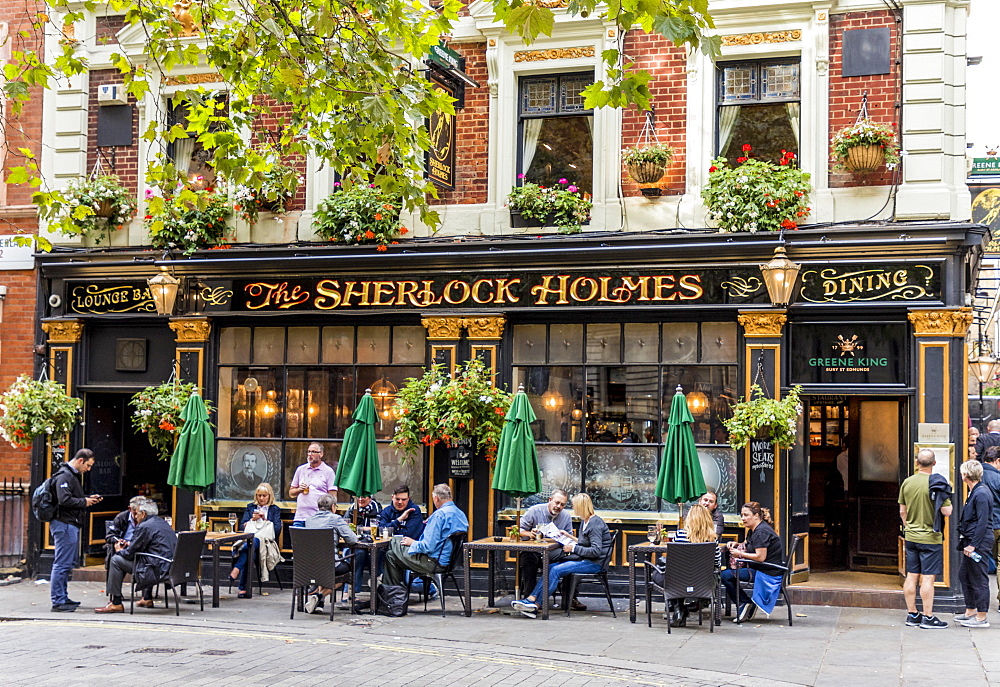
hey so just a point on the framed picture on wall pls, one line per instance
(945, 456)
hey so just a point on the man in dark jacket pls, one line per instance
(122, 527)
(991, 478)
(65, 526)
(402, 515)
(152, 536)
(991, 438)
(975, 540)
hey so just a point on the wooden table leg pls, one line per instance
(490, 560)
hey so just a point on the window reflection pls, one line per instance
(556, 395)
(710, 391)
(623, 404)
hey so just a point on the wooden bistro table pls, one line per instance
(489, 544)
(375, 548)
(643, 550)
(214, 541)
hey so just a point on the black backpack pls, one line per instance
(392, 600)
(44, 503)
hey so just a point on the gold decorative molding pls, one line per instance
(759, 38)
(953, 322)
(554, 54)
(760, 324)
(191, 330)
(191, 79)
(182, 13)
(550, 4)
(439, 328)
(63, 331)
(484, 327)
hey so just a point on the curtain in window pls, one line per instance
(793, 110)
(728, 116)
(529, 141)
(183, 152)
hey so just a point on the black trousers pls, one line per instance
(116, 576)
(975, 583)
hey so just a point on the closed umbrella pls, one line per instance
(516, 470)
(680, 479)
(358, 471)
(192, 466)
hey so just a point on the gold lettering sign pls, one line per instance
(837, 285)
(97, 299)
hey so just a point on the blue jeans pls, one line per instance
(558, 570)
(729, 580)
(361, 561)
(67, 541)
(241, 563)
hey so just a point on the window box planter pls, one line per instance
(519, 221)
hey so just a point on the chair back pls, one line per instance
(456, 540)
(606, 558)
(789, 558)
(314, 554)
(187, 557)
(689, 570)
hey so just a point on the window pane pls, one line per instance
(768, 129)
(295, 455)
(680, 342)
(373, 345)
(409, 345)
(780, 81)
(709, 391)
(395, 472)
(384, 383)
(642, 343)
(268, 345)
(623, 404)
(622, 477)
(556, 395)
(718, 465)
(303, 344)
(338, 345)
(718, 342)
(242, 465)
(538, 96)
(566, 343)
(571, 92)
(559, 148)
(739, 83)
(529, 344)
(234, 346)
(604, 343)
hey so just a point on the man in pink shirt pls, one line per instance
(311, 481)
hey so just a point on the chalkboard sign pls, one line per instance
(762, 457)
(106, 475)
(460, 460)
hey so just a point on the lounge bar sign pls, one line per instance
(103, 298)
(856, 283)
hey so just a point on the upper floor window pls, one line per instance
(758, 104)
(189, 156)
(555, 130)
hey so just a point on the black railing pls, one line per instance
(13, 518)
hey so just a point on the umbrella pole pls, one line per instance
(517, 560)
(680, 515)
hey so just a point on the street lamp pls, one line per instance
(163, 288)
(779, 277)
(984, 369)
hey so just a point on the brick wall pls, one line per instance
(16, 352)
(106, 27)
(126, 158)
(846, 92)
(666, 63)
(24, 131)
(471, 133)
(268, 127)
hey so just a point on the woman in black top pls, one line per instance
(762, 545)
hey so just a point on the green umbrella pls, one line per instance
(516, 469)
(358, 472)
(680, 479)
(192, 466)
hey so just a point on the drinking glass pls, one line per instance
(232, 522)
(192, 522)
(169, 520)
(386, 532)
(652, 533)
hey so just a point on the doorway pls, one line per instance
(856, 448)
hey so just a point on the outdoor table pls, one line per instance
(214, 541)
(491, 546)
(635, 551)
(374, 548)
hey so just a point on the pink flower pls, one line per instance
(520, 176)
(563, 181)
(572, 189)
(149, 193)
(336, 184)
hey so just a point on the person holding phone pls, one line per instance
(65, 526)
(257, 515)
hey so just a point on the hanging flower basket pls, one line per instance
(864, 159)
(758, 417)
(105, 209)
(158, 414)
(31, 408)
(646, 172)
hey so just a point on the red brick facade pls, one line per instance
(845, 92)
(125, 158)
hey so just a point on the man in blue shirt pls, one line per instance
(423, 555)
(402, 515)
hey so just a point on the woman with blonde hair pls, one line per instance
(258, 514)
(582, 555)
(699, 529)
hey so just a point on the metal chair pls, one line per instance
(314, 560)
(184, 568)
(442, 572)
(256, 563)
(785, 570)
(689, 571)
(573, 580)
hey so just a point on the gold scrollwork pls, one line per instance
(191, 79)
(738, 287)
(762, 323)
(550, 4)
(553, 54)
(484, 327)
(941, 322)
(63, 331)
(759, 38)
(439, 328)
(478, 328)
(215, 295)
(191, 330)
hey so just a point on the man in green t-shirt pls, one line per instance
(924, 546)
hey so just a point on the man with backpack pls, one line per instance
(71, 505)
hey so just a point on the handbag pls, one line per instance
(393, 600)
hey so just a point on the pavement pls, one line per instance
(254, 641)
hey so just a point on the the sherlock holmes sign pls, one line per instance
(849, 353)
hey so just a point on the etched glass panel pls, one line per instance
(622, 478)
(718, 342)
(395, 472)
(338, 345)
(642, 342)
(566, 343)
(604, 343)
(529, 344)
(295, 455)
(561, 468)
(268, 345)
(409, 345)
(234, 346)
(680, 342)
(241, 465)
(373, 345)
(303, 345)
(718, 466)
(739, 83)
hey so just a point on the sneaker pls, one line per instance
(63, 608)
(312, 602)
(913, 619)
(73, 603)
(746, 612)
(931, 622)
(962, 618)
(973, 622)
(525, 607)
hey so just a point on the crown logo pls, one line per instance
(847, 346)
